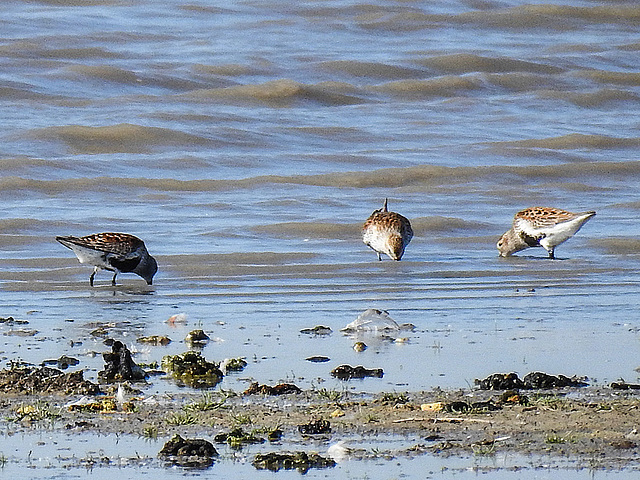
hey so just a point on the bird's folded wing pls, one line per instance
(528, 228)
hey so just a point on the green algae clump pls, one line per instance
(237, 438)
(192, 369)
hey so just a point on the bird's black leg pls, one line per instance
(93, 275)
(379, 257)
(551, 254)
(113, 280)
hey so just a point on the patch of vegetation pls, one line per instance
(205, 404)
(150, 432)
(394, 398)
(37, 412)
(178, 418)
(330, 395)
(104, 405)
(149, 366)
(556, 439)
(242, 419)
(371, 418)
(273, 434)
(237, 438)
(551, 402)
(483, 449)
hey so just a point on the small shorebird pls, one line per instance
(541, 227)
(116, 252)
(387, 232)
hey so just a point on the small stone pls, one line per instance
(233, 364)
(197, 337)
(317, 330)
(359, 346)
(623, 444)
(432, 407)
(155, 340)
(317, 359)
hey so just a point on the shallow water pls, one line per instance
(78, 456)
(246, 142)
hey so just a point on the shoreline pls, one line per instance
(594, 426)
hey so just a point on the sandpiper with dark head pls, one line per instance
(541, 227)
(387, 232)
(116, 252)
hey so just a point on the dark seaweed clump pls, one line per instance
(280, 389)
(300, 461)
(63, 362)
(32, 380)
(347, 372)
(315, 428)
(531, 381)
(119, 365)
(237, 438)
(196, 453)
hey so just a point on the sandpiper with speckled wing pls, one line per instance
(541, 227)
(387, 232)
(116, 252)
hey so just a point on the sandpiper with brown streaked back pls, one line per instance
(116, 252)
(387, 232)
(541, 227)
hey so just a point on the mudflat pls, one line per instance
(595, 426)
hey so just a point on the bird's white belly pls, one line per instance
(89, 256)
(561, 233)
(376, 240)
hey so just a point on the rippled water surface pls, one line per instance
(247, 142)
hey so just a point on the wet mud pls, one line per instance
(587, 423)
(20, 380)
